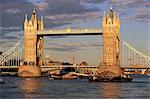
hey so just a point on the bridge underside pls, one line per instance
(68, 34)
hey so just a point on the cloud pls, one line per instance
(41, 5)
(71, 46)
(142, 15)
(131, 9)
(13, 11)
(64, 49)
(10, 28)
(9, 38)
(93, 1)
(70, 18)
(75, 44)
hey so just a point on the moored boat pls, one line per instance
(2, 81)
(124, 78)
(68, 76)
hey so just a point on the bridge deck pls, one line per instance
(69, 31)
(2, 67)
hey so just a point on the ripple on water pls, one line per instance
(33, 88)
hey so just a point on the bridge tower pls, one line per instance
(33, 46)
(111, 45)
(30, 38)
(111, 38)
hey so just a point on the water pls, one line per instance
(42, 88)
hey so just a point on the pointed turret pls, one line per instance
(35, 21)
(118, 17)
(104, 13)
(114, 18)
(26, 18)
(111, 7)
(111, 12)
(33, 11)
(104, 19)
(42, 23)
(33, 15)
(26, 21)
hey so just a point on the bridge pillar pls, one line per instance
(30, 66)
(39, 50)
(111, 46)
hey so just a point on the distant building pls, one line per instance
(49, 62)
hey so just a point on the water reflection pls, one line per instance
(110, 90)
(29, 86)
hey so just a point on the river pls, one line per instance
(43, 88)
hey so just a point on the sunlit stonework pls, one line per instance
(32, 43)
(111, 38)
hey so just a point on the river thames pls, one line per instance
(43, 88)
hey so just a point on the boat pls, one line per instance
(68, 77)
(53, 77)
(2, 81)
(124, 78)
(147, 72)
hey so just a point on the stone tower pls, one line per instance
(111, 38)
(30, 39)
(33, 46)
(111, 46)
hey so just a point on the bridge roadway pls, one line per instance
(70, 31)
(125, 67)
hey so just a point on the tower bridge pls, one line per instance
(34, 33)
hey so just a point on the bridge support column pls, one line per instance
(39, 50)
(29, 71)
(110, 69)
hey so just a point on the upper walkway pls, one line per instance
(70, 31)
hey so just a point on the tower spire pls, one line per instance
(42, 23)
(34, 11)
(111, 12)
(104, 13)
(26, 17)
(26, 21)
(111, 7)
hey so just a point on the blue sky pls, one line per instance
(134, 14)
